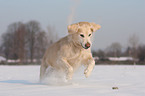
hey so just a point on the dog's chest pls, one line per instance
(77, 59)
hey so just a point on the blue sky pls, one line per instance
(119, 18)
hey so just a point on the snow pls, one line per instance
(120, 58)
(24, 81)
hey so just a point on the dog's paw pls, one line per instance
(87, 73)
(68, 77)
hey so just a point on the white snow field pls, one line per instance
(24, 81)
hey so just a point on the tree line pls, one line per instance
(134, 50)
(26, 42)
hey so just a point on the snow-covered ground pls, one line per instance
(24, 81)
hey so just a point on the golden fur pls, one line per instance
(72, 51)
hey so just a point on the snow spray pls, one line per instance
(73, 11)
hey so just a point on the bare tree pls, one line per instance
(133, 42)
(6, 45)
(114, 49)
(127, 52)
(20, 37)
(52, 36)
(23, 41)
(141, 53)
(32, 28)
(41, 44)
(12, 43)
(99, 53)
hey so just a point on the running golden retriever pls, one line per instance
(72, 51)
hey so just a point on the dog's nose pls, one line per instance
(87, 45)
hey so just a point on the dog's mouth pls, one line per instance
(85, 47)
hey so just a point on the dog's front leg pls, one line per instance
(68, 68)
(90, 65)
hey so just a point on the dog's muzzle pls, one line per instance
(87, 45)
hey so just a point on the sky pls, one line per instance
(120, 19)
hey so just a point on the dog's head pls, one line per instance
(82, 32)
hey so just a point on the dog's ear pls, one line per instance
(73, 28)
(94, 27)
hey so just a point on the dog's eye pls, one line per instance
(89, 35)
(81, 35)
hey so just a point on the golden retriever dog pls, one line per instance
(72, 51)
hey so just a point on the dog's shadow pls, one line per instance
(25, 82)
